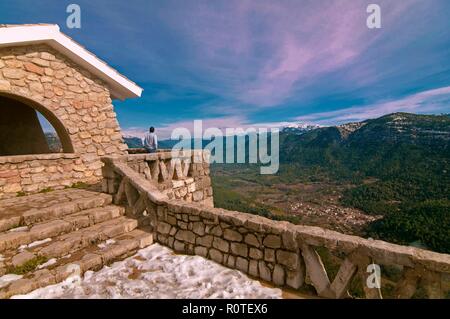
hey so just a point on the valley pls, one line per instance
(307, 203)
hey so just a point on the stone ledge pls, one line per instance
(383, 252)
(24, 158)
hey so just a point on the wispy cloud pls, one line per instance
(257, 53)
(248, 56)
(431, 101)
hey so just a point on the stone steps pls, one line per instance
(25, 235)
(68, 243)
(91, 257)
(42, 235)
(29, 210)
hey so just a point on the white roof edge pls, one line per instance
(120, 86)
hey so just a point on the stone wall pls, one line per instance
(73, 100)
(278, 252)
(259, 248)
(286, 254)
(34, 173)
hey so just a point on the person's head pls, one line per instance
(152, 129)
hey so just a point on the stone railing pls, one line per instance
(320, 261)
(179, 175)
(33, 173)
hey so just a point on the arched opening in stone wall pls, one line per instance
(27, 127)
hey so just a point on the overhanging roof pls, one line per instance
(17, 35)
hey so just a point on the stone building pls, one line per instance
(43, 70)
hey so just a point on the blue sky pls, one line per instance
(238, 63)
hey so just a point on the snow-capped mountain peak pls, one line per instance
(299, 128)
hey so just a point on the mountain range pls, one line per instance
(396, 167)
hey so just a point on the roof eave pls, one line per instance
(120, 87)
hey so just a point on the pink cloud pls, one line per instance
(261, 53)
(310, 41)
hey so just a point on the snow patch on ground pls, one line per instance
(157, 272)
(18, 229)
(106, 243)
(39, 242)
(48, 263)
(35, 243)
(6, 279)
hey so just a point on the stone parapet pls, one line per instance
(23, 158)
(178, 175)
(34, 173)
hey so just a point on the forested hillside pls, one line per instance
(397, 166)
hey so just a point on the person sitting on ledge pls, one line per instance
(151, 141)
